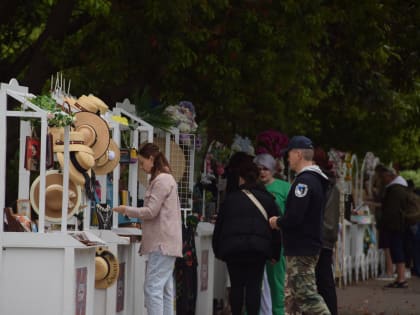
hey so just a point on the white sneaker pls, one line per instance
(385, 277)
(408, 274)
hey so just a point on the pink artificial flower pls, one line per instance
(220, 170)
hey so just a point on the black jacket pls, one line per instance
(393, 205)
(303, 218)
(241, 231)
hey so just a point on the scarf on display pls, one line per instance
(90, 181)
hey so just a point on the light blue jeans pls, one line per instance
(158, 284)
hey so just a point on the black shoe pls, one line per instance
(397, 285)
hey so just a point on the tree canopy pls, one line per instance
(346, 74)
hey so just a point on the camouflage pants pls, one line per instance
(300, 291)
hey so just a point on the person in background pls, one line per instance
(383, 238)
(161, 230)
(301, 228)
(392, 221)
(279, 188)
(243, 238)
(413, 240)
(324, 268)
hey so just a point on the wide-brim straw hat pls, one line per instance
(176, 161)
(106, 268)
(100, 104)
(69, 104)
(81, 156)
(56, 133)
(95, 131)
(85, 163)
(107, 162)
(77, 142)
(86, 104)
(54, 196)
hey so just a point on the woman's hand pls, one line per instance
(120, 209)
(273, 223)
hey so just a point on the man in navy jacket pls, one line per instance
(301, 227)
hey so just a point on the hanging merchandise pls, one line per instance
(95, 130)
(81, 161)
(54, 196)
(109, 160)
(106, 268)
(32, 154)
(104, 214)
(186, 270)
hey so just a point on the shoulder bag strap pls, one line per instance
(256, 203)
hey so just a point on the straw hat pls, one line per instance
(81, 156)
(106, 268)
(54, 196)
(95, 130)
(56, 133)
(100, 104)
(107, 162)
(69, 103)
(176, 161)
(86, 104)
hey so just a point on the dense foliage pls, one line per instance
(344, 73)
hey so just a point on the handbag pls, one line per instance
(256, 203)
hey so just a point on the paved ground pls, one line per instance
(370, 298)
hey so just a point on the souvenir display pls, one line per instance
(54, 196)
(104, 214)
(106, 268)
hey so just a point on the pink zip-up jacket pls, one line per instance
(161, 215)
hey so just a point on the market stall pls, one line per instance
(39, 264)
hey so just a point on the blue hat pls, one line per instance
(299, 142)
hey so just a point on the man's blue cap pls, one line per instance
(299, 142)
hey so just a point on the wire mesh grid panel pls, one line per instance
(186, 183)
(181, 158)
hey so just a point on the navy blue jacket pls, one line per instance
(302, 222)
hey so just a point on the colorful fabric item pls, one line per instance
(276, 273)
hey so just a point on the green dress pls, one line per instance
(276, 273)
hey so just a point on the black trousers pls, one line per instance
(246, 280)
(325, 280)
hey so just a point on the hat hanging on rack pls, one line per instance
(54, 196)
(85, 104)
(106, 268)
(56, 133)
(69, 102)
(95, 130)
(108, 161)
(100, 104)
(176, 161)
(81, 157)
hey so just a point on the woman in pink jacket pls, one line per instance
(161, 230)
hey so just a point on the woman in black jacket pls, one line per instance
(243, 238)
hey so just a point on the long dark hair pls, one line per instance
(160, 163)
(232, 170)
(248, 170)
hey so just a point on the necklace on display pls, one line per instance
(104, 216)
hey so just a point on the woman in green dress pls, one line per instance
(276, 272)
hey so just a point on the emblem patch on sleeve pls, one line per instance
(301, 190)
